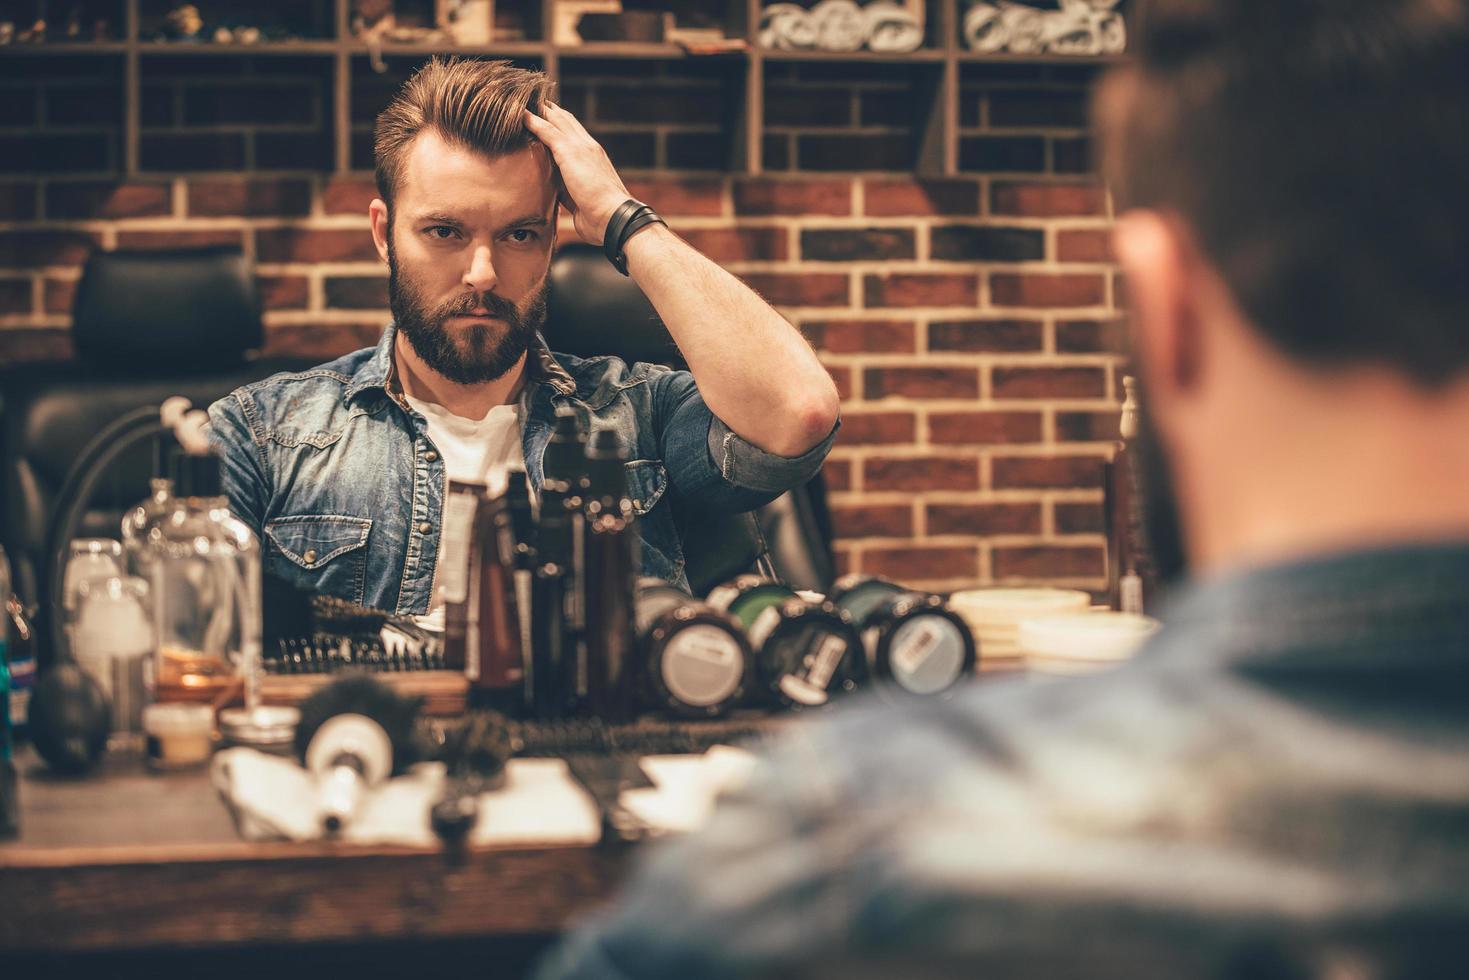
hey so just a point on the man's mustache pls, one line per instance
(496, 306)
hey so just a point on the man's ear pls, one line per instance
(1156, 260)
(377, 213)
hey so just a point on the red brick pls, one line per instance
(15, 296)
(1079, 518)
(283, 292)
(357, 293)
(18, 201)
(738, 244)
(58, 295)
(319, 340)
(844, 563)
(107, 199)
(872, 520)
(348, 195)
(920, 289)
(1049, 562)
(837, 474)
(901, 198)
(861, 336)
(1048, 382)
(857, 244)
(984, 519)
(1084, 245)
(1047, 472)
(314, 245)
(1091, 337)
(920, 382)
(841, 376)
(253, 197)
(759, 196)
(182, 238)
(1028, 200)
(877, 428)
(1088, 426)
(30, 344)
(918, 473)
(37, 249)
(1041, 290)
(800, 289)
(680, 196)
(984, 428)
(1119, 291)
(932, 562)
(987, 336)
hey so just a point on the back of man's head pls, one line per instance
(478, 105)
(1318, 150)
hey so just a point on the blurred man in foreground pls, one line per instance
(1279, 785)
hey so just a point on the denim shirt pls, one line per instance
(1277, 786)
(339, 477)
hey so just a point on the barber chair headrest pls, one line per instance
(192, 308)
(593, 310)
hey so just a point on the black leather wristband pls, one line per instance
(639, 221)
(612, 237)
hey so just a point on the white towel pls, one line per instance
(786, 27)
(840, 25)
(272, 798)
(892, 27)
(984, 29)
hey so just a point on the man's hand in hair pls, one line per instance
(590, 187)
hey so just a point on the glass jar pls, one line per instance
(204, 565)
(139, 523)
(112, 640)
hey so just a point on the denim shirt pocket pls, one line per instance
(324, 553)
(647, 482)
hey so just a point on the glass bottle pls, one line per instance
(611, 579)
(205, 569)
(22, 665)
(553, 665)
(138, 523)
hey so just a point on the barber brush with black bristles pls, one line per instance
(354, 733)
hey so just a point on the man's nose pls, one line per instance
(481, 273)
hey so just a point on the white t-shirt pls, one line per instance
(473, 450)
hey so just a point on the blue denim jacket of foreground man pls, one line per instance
(337, 474)
(1278, 786)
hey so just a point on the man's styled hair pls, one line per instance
(475, 104)
(1318, 150)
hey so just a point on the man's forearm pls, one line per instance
(754, 370)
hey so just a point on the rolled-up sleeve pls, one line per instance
(711, 463)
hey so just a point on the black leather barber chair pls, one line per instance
(594, 310)
(146, 325)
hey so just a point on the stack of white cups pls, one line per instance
(994, 617)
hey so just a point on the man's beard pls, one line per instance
(474, 354)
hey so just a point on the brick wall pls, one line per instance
(964, 319)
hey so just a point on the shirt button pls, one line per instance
(430, 456)
(310, 556)
(425, 527)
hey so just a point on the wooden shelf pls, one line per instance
(921, 56)
(211, 49)
(936, 89)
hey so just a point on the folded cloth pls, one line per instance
(786, 27)
(892, 27)
(984, 29)
(685, 787)
(272, 798)
(1025, 28)
(840, 25)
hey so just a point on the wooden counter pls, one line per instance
(126, 860)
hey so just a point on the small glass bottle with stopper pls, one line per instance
(1125, 585)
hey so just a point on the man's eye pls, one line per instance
(435, 231)
(522, 236)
